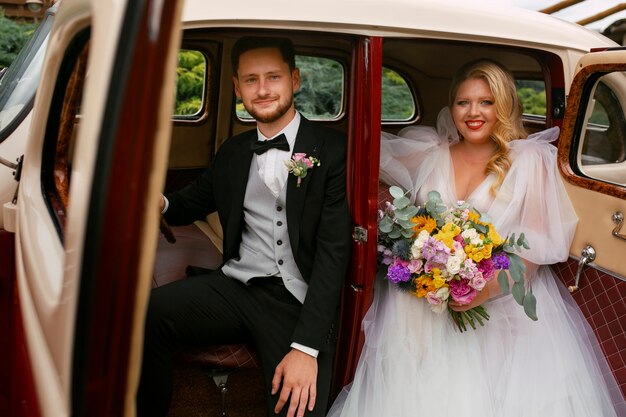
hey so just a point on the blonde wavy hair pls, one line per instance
(509, 111)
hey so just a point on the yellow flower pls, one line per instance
(439, 282)
(473, 216)
(447, 234)
(423, 285)
(494, 236)
(423, 223)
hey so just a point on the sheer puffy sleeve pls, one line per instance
(533, 200)
(408, 159)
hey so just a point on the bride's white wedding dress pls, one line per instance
(415, 363)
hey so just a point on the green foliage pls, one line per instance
(397, 100)
(321, 89)
(190, 76)
(13, 36)
(534, 102)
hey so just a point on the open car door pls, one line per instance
(86, 218)
(592, 159)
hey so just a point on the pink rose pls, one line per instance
(298, 156)
(416, 266)
(478, 283)
(461, 292)
(433, 299)
(487, 268)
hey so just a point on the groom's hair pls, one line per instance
(248, 43)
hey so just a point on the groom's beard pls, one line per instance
(272, 115)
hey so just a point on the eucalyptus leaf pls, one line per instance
(434, 195)
(518, 292)
(385, 225)
(396, 192)
(401, 216)
(516, 266)
(394, 234)
(407, 233)
(401, 202)
(503, 280)
(411, 211)
(530, 306)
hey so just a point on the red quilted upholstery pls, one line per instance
(221, 357)
(602, 299)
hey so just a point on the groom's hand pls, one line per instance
(298, 373)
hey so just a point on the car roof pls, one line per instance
(449, 19)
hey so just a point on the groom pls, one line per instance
(286, 246)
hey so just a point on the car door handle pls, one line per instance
(618, 219)
(587, 255)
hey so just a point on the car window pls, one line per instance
(602, 146)
(398, 103)
(19, 82)
(532, 94)
(191, 76)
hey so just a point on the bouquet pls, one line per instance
(442, 253)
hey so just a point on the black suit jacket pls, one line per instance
(317, 215)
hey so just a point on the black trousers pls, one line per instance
(215, 309)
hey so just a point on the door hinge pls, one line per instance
(17, 166)
(360, 234)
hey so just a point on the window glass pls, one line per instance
(602, 148)
(191, 74)
(398, 103)
(320, 96)
(19, 82)
(532, 94)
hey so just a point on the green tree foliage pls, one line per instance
(190, 76)
(13, 36)
(533, 102)
(532, 93)
(322, 87)
(397, 99)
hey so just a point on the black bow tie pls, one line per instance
(279, 142)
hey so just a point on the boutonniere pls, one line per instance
(299, 164)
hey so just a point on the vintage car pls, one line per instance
(110, 130)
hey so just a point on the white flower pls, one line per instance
(438, 299)
(453, 264)
(473, 236)
(418, 244)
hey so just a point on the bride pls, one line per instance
(414, 362)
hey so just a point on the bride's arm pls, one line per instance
(492, 289)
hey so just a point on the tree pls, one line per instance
(13, 36)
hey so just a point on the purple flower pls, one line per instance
(398, 273)
(486, 267)
(435, 251)
(500, 261)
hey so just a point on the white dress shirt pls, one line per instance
(271, 163)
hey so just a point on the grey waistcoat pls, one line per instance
(265, 249)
